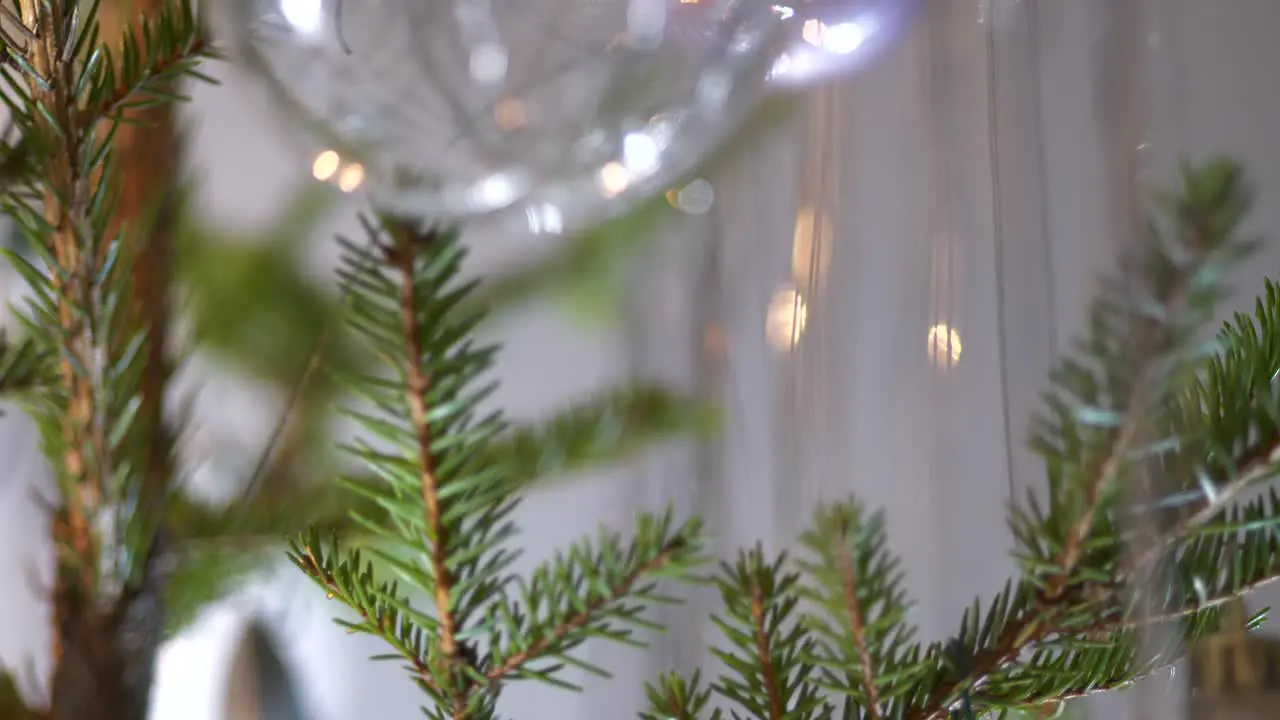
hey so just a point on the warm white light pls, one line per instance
(640, 153)
(944, 346)
(326, 165)
(845, 38)
(496, 191)
(811, 248)
(351, 177)
(306, 16)
(812, 32)
(786, 319)
(614, 179)
(842, 39)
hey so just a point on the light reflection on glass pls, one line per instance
(834, 37)
(811, 248)
(944, 347)
(945, 299)
(840, 39)
(786, 320)
(613, 179)
(306, 16)
(696, 198)
(545, 219)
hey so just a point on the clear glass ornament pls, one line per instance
(558, 113)
(829, 38)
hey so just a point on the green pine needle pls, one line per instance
(442, 485)
(674, 697)
(863, 639)
(769, 654)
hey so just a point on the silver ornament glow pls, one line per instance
(557, 113)
(829, 38)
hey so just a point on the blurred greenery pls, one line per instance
(252, 306)
(248, 299)
(11, 705)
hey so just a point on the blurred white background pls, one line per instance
(940, 216)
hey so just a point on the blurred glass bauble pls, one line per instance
(554, 113)
(829, 38)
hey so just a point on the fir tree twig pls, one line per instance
(95, 415)
(441, 495)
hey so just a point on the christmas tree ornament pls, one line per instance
(557, 114)
(829, 38)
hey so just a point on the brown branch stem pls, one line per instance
(403, 255)
(282, 447)
(63, 196)
(759, 608)
(857, 625)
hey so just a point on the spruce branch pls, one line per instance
(597, 589)
(769, 665)
(863, 638)
(440, 489)
(95, 416)
(238, 538)
(1130, 358)
(675, 697)
(1204, 416)
(25, 366)
(47, 116)
(1136, 359)
(400, 289)
(402, 255)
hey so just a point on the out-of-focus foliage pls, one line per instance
(248, 298)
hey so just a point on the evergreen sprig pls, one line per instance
(770, 657)
(79, 370)
(863, 636)
(25, 367)
(445, 499)
(68, 98)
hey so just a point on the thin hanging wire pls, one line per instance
(1024, 13)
